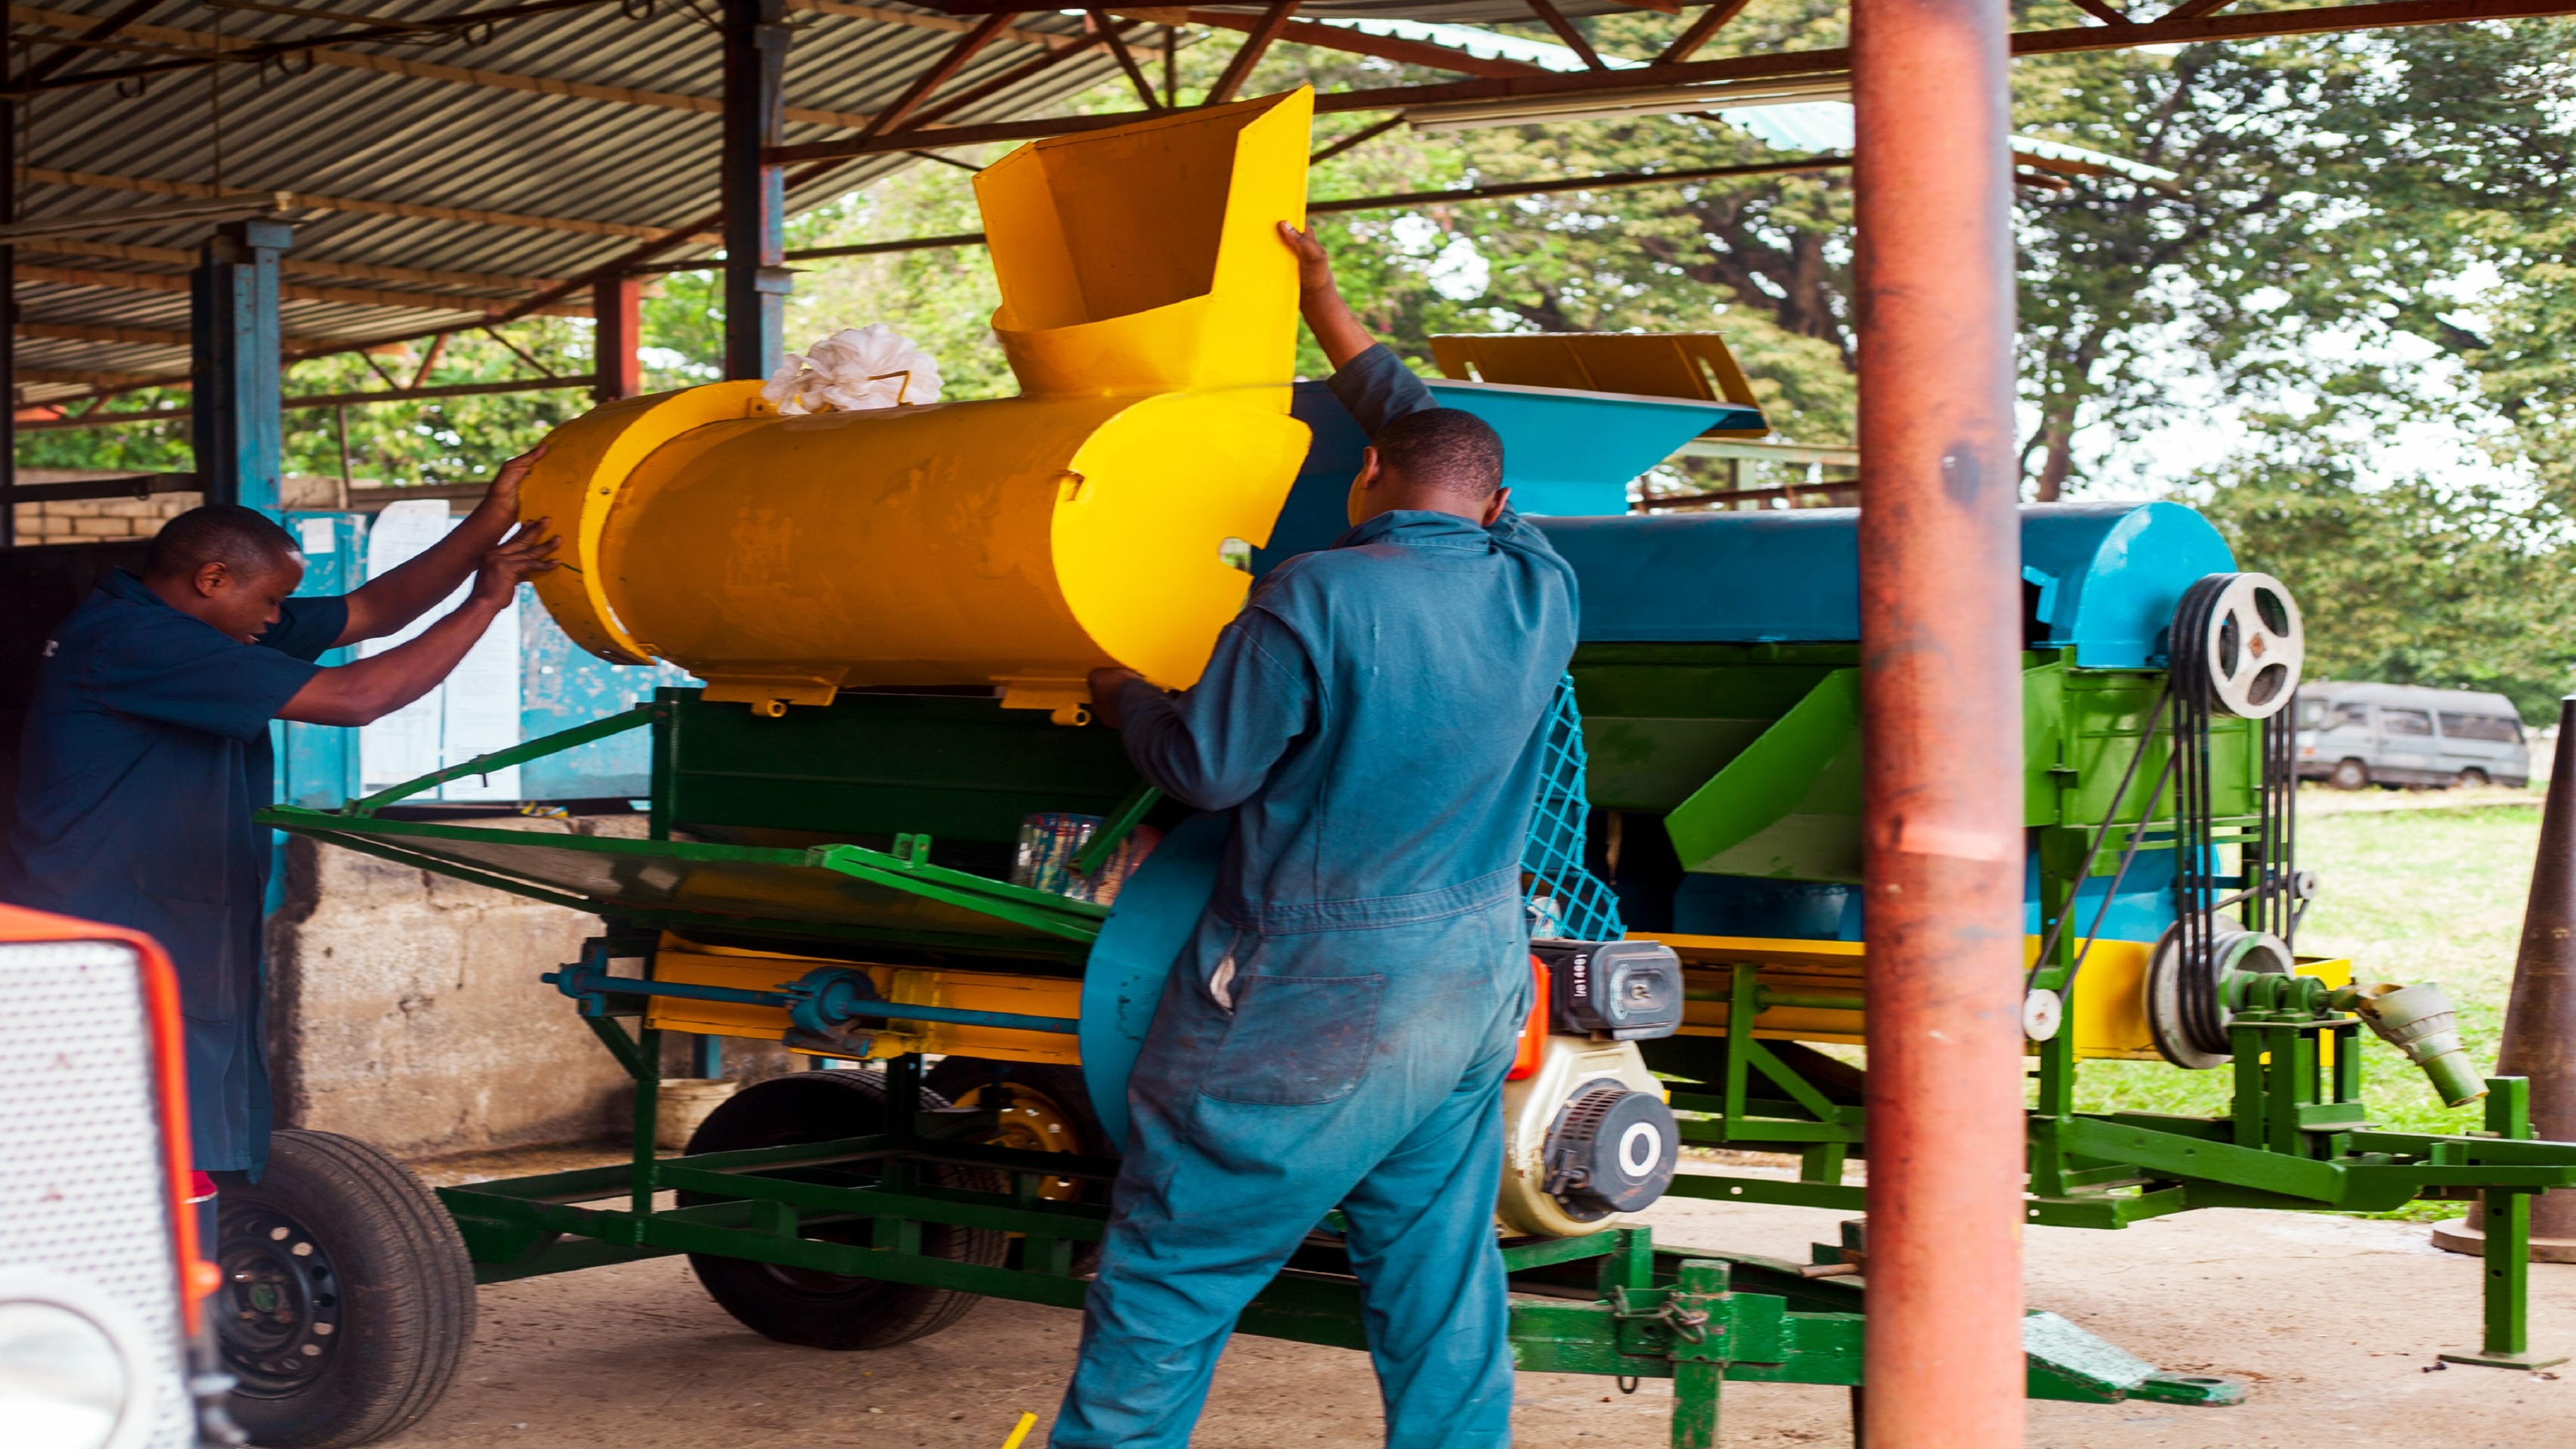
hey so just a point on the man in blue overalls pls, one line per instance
(146, 751)
(1337, 1030)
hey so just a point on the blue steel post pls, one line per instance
(238, 404)
(756, 279)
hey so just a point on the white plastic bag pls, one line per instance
(854, 369)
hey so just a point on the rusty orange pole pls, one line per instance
(1941, 718)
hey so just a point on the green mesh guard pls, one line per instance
(1566, 900)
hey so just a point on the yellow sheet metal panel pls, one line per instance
(1150, 312)
(1650, 364)
(968, 990)
(576, 485)
(1145, 258)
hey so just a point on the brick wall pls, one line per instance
(83, 520)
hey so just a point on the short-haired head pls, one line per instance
(244, 540)
(1443, 448)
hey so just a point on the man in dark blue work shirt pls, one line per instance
(1337, 1031)
(146, 752)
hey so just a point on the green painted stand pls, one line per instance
(901, 769)
(2506, 1341)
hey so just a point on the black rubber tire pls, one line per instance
(348, 1300)
(954, 1077)
(828, 1310)
(2472, 777)
(2350, 775)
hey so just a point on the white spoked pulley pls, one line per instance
(2251, 646)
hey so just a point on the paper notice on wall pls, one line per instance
(475, 711)
(480, 710)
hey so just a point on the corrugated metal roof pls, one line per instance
(508, 158)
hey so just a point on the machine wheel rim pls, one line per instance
(280, 1316)
(1032, 1121)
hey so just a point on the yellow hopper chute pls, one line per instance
(1149, 312)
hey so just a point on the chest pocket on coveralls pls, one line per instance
(1295, 1041)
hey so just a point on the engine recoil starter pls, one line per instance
(1613, 1150)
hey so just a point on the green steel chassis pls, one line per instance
(2297, 1135)
(1614, 1304)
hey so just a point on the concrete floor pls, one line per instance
(2330, 1322)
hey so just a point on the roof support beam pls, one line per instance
(1005, 81)
(95, 181)
(756, 279)
(2306, 20)
(1383, 47)
(1099, 22)
(1053, 40)
(273, 50)
(940, 72)
(1255, 45)
(44, 66)
(454, 74)
(1698, 33)
(286, 291)
(2104, 13)
(101, 419)
(1575, 40)
(1611, 181)
(62, 246)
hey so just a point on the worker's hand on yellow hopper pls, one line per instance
(1105, 684)
(1319, 298)
(1314, 268)
(504, 495)
(524, 554)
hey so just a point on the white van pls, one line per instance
(2404, 734)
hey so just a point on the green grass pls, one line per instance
(2409, 895)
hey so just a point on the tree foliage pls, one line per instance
(2413, 582)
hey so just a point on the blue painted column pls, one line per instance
(237, 412)
(756, 278)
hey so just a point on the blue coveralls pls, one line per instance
(1336, 1032)
(145, 753)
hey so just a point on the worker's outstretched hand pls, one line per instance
(1314, 268)
(1320, 299)
(524, 554)
(504, 497)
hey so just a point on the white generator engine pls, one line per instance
(1587, 1134)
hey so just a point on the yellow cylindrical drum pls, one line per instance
(1100, 518)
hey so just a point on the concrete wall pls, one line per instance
(405, 1009)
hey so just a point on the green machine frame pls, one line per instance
(878, 830)
(1748, 754)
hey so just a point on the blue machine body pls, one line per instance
(2106, 576)
(1563, 452)
(2101, 580)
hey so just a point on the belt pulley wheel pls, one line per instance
(2238, 644)
(2187, 1013)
